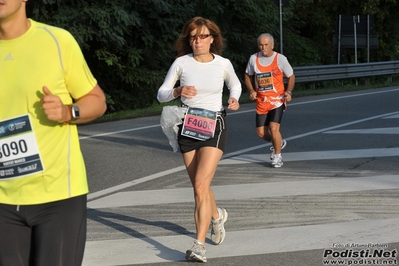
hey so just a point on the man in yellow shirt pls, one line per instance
(46, 88)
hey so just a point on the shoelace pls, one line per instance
(276, 159)
(197, 247)
(216, 225)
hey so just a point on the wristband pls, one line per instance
(289, 92)
(74, 111)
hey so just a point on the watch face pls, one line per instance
(75, 112)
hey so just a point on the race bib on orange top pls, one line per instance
(19, 153)
(265, 81)
(199, 123)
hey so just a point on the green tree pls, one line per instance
(129, 45)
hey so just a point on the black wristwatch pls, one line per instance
(75, 113)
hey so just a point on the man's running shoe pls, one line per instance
(196, 252)
(283, 144)
(218, 233)
(277, 161)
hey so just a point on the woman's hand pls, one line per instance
(185, 91)
(234, 105)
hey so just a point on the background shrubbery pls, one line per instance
(128, 44)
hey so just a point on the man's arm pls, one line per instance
(290, 87)
(91, 106)
(249, 83)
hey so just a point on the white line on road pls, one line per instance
(241, 112)
(384, 130)
(241, 243)
(314, 155)
(249, 191)
(107, 191)
(118, 132)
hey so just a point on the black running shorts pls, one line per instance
(274, 115)
(187, 144)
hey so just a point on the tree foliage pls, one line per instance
(129, 45)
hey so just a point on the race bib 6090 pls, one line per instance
(19, 153)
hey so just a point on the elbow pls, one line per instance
(103, 104)
(162, 98)
(159, 98)
(104, 108)
(292, 79)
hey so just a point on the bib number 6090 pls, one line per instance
(13, 148)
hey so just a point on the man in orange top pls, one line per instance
(264, 81)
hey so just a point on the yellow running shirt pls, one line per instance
(40, 160)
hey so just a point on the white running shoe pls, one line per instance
(277, 161)
(197, 252)
(218, 233)
(283, 144)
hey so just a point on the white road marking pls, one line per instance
(107, 191)
(392, 117)
(384, 130)
(248, 242)
(118, 132)
(249, 191)
(241, 112)
(314, 155)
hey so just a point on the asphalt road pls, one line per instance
(335, 200)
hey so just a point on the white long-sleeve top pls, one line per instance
(208, 78)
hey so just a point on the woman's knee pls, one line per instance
(201, 189)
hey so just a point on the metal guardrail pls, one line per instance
(313, 74)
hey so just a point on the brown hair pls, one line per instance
(183, 42)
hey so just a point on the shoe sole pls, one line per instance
(190, 256)
(277, 165)
(224, 231)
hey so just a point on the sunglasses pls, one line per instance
(201, 36)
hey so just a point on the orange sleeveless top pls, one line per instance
(270, 90)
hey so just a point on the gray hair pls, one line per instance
(266, 35)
